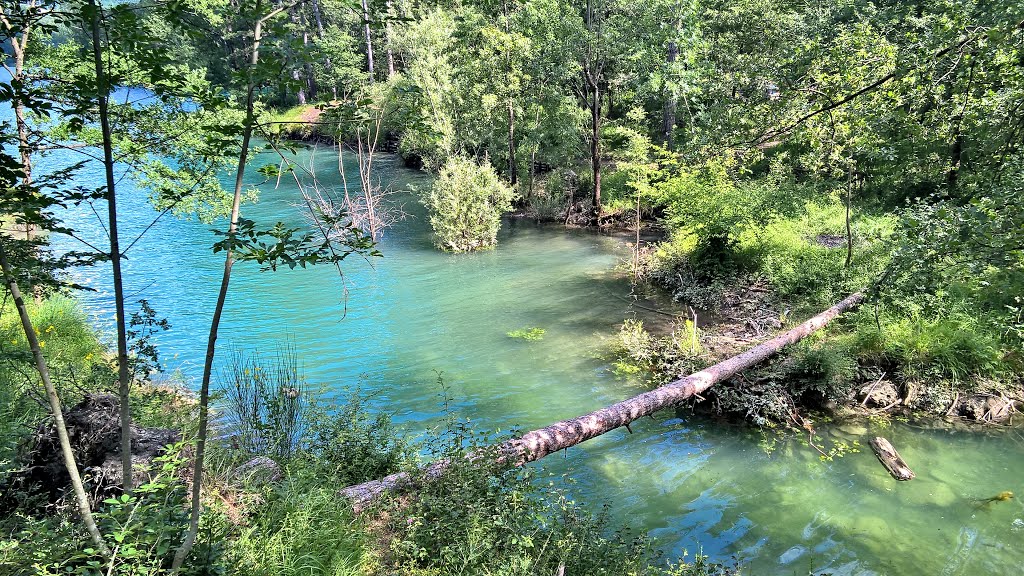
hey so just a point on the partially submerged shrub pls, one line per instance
(465, 205)
(661, 358)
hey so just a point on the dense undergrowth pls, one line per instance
(740, 248)
(282, 453)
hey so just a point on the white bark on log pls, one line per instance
(539, 443)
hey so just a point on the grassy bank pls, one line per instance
(760, 255)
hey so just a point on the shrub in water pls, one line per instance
(465, 205)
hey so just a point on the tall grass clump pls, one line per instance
(301, 528)
(267, 399)
(954, 346)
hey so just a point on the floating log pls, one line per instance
(891, 459)
(567, 433)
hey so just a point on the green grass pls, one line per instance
(956, 346)
(294, 122)
(302, 528)
(73, 353)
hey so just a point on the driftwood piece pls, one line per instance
(539, 443)
(891, 459)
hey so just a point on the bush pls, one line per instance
(822, 371)
(676, 354)
(549, 202)
(350, 445)
(143, 528)
(465, 205)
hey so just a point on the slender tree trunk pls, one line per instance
(81, 498)
(849, 228)
(595, 152)
(318, 19)
(956, 149)
(369, 39)
(123, 375)
(387, 40)
(307, 68)
(19, 44)
(592, 71)
(669, 119)
(211, 343)
(568, 433)
(513, 169)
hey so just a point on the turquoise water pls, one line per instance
(692, 483)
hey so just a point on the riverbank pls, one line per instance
(900, 355)
(272, 504)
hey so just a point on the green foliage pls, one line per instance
(143, 528)
(548, 202)
(484, 518)
(954, 345)
(465, 204)
(530, 334)
(300, 528)
(637, 352)
(72, 349)
(822, 371)
(350, 443)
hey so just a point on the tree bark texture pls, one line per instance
(123, 376)
(369, 40)
(539, 443)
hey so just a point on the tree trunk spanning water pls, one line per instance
(567, 433)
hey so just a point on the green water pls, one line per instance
(691, 483)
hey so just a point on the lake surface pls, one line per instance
(693, 484)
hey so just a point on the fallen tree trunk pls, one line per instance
(567, 433)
